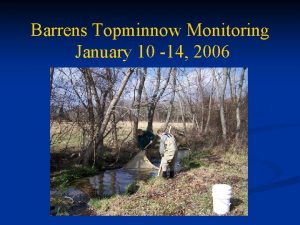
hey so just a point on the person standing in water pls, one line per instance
(168, 151)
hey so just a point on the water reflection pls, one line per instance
(116, 181)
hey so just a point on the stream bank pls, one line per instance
(188, 194)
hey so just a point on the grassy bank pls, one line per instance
(187, 194)
(64, 178)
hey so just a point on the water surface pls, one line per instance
(116, 181)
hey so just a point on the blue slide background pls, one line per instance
(274, 85)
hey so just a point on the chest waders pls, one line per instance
(170, 155)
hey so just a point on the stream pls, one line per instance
(116, 181)
(105, 184)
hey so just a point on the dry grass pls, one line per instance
(157, 125)
(68, 136)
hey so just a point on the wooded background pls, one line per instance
(104, 107)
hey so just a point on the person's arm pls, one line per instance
(152, 136)
(148, 139)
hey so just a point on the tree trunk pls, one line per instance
(222, 111)
(156, 97)
(90, 106)
(51, 80)
(231, 81)
(221, 95)
(209, 110)
(114, 131)
(93, 151)
(150, 116)
(99, 137)
(115, 100)
(137, 103)
(238, 104)
(201, 93)
(223, 121)
(171, 105)
(182, 114)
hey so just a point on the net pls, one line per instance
(140, 161)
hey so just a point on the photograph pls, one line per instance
(148, 141)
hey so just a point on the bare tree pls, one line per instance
(137, 101)
(236, 88)
(187, 102)
(201, 94)
(172, 98)
(89, 85)
(157, 94)
(221, 82)
(238, 104)
(100, 133)
(182, 110)
(51, 80)
(114, 130)
(209, 106)
(98, 104)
